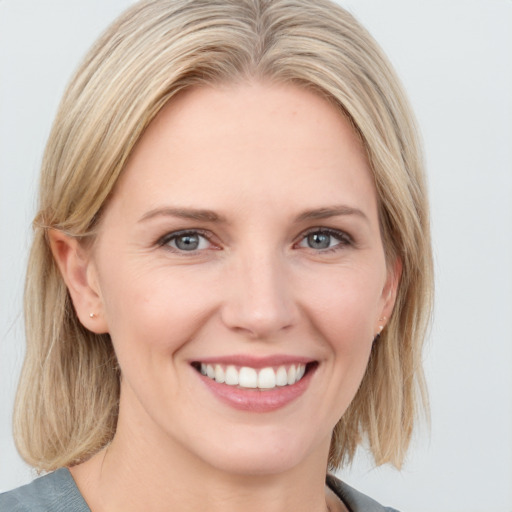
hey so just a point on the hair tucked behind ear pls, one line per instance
(67, 401)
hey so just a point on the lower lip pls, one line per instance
(256, 400)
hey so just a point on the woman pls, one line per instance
(231, 273)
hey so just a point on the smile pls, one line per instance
(256, 385)
(251, 378)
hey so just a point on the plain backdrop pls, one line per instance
(454, 57)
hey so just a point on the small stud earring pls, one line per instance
(91, 315)
(381, 327)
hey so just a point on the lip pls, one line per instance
(257, 400)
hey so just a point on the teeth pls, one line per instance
(282, 376)
(220, 376)
(267, 378)
(231, 376)
(292, 373)
(246, 377)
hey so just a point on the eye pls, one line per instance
(324, 239)
(186, 241)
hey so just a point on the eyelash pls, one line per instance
(343, 238)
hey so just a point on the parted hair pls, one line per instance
(67, 400)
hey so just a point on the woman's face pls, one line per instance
(243, 242)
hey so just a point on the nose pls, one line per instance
(260, 300)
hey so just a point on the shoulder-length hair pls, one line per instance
(67, 400)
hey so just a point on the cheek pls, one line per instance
(344, 310)
(346, 305)
(153, 310)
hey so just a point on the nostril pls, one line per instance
(258, 324)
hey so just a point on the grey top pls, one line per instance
(57, 492)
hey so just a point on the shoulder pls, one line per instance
(354, 500)
(56, 491)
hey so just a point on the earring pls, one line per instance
(382, 323)
(381, 327)
(91, 315)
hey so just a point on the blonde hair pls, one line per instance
(67, 401)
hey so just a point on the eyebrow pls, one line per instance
(202, 215)
(332, 211)
(184, 213)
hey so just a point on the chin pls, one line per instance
(261, 464)
(262, 454)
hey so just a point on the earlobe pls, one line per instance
(76, 268)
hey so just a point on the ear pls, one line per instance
(389, 293)
(80, 275)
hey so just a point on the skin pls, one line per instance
(262, 157)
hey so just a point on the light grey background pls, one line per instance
(454, 57)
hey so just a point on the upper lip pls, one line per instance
(255, 361)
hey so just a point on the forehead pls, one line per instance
(257, 140)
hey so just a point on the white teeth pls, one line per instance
(267, 378)
(231, 376)
(210, 371)
(292, 374)
(219, 374)
(246, 377)
(282, 376)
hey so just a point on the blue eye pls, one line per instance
(324, 239)
(319, 240)
(186, 241)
